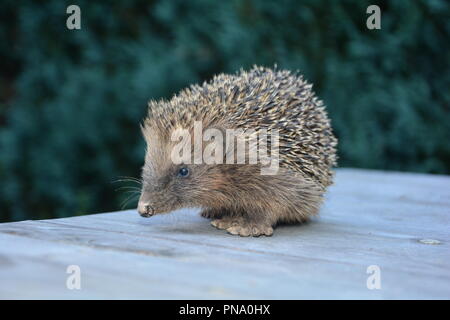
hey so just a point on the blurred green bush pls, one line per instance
(71, 101)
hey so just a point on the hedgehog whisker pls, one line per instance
(128, 188)
(128, 179)
(127, 200)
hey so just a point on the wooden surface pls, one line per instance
(369, 218)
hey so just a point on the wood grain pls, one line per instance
(369, 218)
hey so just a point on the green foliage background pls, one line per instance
(71, 101)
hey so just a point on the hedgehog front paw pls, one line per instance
(251, 229)
(239, 226)
(225, 222)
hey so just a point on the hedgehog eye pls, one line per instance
(183, 172)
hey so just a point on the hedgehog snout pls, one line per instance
(145, 209)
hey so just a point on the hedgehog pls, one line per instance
(237, 197)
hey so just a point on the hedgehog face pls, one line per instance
(178, 186)
(167, 186)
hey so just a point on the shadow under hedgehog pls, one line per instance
(236, 196)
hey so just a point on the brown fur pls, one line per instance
(236, 196)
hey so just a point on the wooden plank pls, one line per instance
(122, 255)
